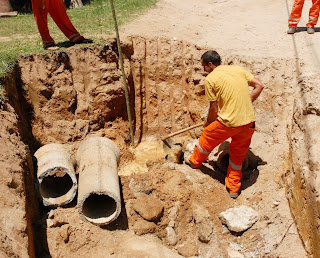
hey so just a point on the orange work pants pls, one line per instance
(295, 15)
(216, 133)
(58, 12)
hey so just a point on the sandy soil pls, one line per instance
(70, 96)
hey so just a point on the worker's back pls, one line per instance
(229, 86)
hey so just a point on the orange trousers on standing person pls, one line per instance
(58, 12)
(216, 133)
(295, 15)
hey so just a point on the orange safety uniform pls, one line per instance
(229, 86)
(58, 12)
(295, 15)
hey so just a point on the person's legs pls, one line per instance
(211, 136)
(314, 13)
(237, 152)
(40, 12)
(58, 12)
(295, 15)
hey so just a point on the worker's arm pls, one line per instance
(258, 87)
(212, 114)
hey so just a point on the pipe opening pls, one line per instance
(55, 184)
(99, 206)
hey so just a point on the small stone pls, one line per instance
(174, 154)
(171, 223)
(51, 214)
(173, 211)
(235, 246)
(225, 230)
(239, 219)
(189, 217)
(203, 224)
(276, 203)
(64, 233)
(49, 223)
(171, 236)
(190, 146)
(140, 187)
(143, 227)
(234, 254)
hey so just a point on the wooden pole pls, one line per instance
(122, 70)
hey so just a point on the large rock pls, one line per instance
(143, 227)
(148, 207)
(188, 249)
(145, 246)
(239, 219)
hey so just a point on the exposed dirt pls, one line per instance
(68, 97)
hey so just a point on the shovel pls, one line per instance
(164, 139)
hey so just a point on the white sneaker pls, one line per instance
(310, 30)
(292, 30)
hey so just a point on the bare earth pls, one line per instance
(68, 97)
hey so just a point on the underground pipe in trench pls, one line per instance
(56, 175)
(99, 199)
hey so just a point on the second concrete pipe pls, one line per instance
(56, 175)
(99, 200)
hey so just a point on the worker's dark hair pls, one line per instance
(211, 56)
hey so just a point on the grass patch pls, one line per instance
(19, 35)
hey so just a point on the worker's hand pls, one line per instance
(206, 123)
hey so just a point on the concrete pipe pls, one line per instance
(99, 199)
(56, 175)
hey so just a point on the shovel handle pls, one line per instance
(181, 131)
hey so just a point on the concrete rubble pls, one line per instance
(239, 219)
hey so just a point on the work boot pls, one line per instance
(234, 195)
(292, 30)
(310, 30)
(188, 162)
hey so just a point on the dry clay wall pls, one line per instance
(66, 96)
(302, 179)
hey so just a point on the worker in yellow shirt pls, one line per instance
(227, 90)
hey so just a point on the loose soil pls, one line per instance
(70, 96)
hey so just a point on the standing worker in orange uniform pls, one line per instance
(227, 89)
(295, 16)
(58, 12)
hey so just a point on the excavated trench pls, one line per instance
(67, 96)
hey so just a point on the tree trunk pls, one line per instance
(5, 6)
(75, 4)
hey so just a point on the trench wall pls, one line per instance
(302, 180)
(64, 96)
(19, 206)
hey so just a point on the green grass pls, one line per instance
(19, 35)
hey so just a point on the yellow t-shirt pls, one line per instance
(229, 86)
